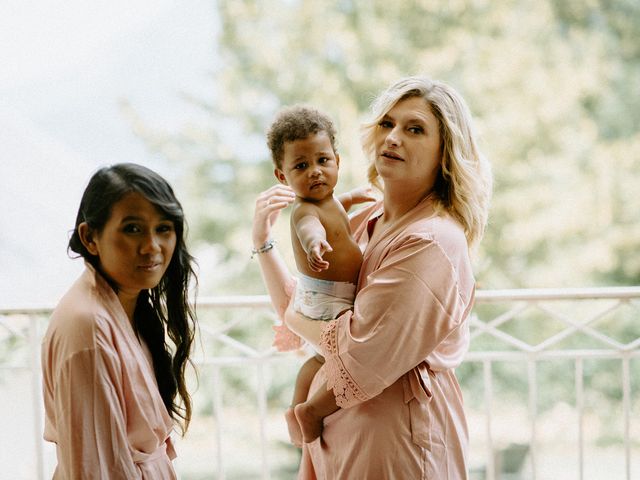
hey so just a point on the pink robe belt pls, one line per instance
(164, 450)
(417, 393)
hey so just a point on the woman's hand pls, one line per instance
(268, 206)
(355, 196)
(362, 195)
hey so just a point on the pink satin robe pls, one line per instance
(103, 409)
(391, 363)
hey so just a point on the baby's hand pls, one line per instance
(362, 195)
(314, 256)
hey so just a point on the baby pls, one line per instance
(302, 144)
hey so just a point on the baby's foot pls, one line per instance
(308, 421)
(295, 434)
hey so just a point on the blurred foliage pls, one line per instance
(553, 86)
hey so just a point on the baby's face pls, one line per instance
(310, 167)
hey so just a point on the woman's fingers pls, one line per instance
(267, 208)
(274, 198)
(277, 193)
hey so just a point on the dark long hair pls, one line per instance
(165, 307)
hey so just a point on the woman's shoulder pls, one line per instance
(441, 228)
(448, 235)
(78, 317)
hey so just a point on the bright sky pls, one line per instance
(65, 66)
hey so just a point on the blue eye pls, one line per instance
(416, 130)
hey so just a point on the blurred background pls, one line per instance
(189, 88)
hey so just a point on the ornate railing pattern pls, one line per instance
(507, 327)
(603, 305)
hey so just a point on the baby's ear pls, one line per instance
(279, 174)
(337, 159)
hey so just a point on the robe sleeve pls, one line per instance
(409, 306)
(91, 423)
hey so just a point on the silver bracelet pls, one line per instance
(268, 245)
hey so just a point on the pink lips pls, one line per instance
(149, 266)
(391, 155)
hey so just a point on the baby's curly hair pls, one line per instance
(297, 123)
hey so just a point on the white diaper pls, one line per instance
(322, 299)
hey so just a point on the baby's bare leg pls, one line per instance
(311, 413)
(295, 433)
(300, 393)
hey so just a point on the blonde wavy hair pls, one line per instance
(463, 187)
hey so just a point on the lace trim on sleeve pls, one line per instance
(285, 340)
(345, 389)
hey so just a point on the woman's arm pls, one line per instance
(91, 433)
(275, 274)
(310, 330)
(414, 303)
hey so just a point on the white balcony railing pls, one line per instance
(551, 385)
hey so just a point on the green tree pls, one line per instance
(552, 85)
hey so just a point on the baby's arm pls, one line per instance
(313, 238)
(355, 196)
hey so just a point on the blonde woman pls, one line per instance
(390, 362)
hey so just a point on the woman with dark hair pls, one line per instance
(114, 384)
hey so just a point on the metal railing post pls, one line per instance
(626, 407)
(36, 393)
(579, 374)
(217, 417)
(262, 408)
(488, 401)
(533, 411)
